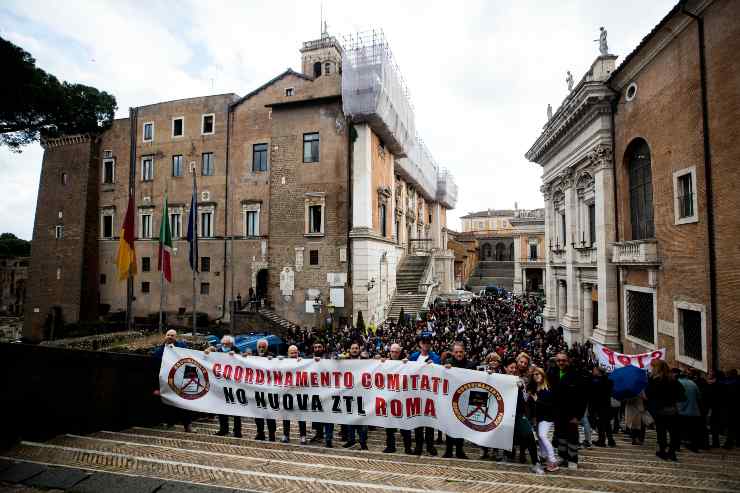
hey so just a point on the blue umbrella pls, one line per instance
(628, 382)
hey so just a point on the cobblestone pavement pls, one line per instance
(161, 459)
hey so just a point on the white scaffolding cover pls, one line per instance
(446, 189)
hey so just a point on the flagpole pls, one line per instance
(161, 264)
(195, 249)
(132, 115)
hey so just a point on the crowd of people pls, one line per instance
(563, 394)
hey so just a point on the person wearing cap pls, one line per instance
(425, 435)
(226, 346)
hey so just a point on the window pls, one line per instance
(177, 165)
(327, 68)
(107, 154)
(591, 224)
(533, 251)
(317, 69)
(146, 264)
(639, 314)
(208, 164)
(205, 264)
(148, 131)
(64, 178)
(253, 223)
(289, 91)
(562, 229)
(313, 257)
(59, 232)
(145, 287)
(103, 279)
(208, 124)
(205, 288)
(382, 219)
(631, 92)
(147, 168)
(176, 225)
(146, 225)
(206, 224)
(106, 228)
(178, 126)
(311, 148)
(314, 219)
(691, 334)
(259, 157)
(684, 191)
(109, 171)
(641, 190)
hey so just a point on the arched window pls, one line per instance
(500, 252)
(487, 250)
(317, 69)
(641, 190)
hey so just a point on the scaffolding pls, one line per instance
(374, 92)
(446, 189)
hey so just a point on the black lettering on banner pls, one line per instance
(288, 402)
(259, 398)
(348, 403)
(316, 404)
(241, 396)
(302, 402)
(360, 408)
(337, 404)
(274, 401)
(229, 395)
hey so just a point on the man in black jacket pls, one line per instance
(262, 350)
(569, 395)
(600, 405)
(458, 360)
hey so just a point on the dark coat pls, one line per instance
(545, 406)
(663, 395)
(569, 393)
(600, 394)
(463, 363)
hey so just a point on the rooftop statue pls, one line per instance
(569, 80)
(603, 47)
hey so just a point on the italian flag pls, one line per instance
(165, 244)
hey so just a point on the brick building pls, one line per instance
(641, 159)
(13, 279)
(306, 190)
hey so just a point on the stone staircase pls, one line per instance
(411, 304)
(165, 460)
(409, 273)
(282, 325)
(490, 272)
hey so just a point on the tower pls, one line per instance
(322, 56)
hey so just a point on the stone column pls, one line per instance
(550, 314)
(362, 176)
(562, 300)
(518, 281)
(571, 323)
(606, 332)
(588, 309)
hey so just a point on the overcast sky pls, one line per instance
(480, 73)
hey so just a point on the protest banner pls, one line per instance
(610, 360)
(469, 404)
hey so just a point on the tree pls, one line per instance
(12, 246)
(35, 104)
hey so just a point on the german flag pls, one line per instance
(126, 251)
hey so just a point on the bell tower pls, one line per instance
(323, 56)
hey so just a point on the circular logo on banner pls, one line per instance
(478, 406)
(189, 379)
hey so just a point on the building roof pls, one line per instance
(267, 84)
(490, 213)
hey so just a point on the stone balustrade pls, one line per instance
(635, 252)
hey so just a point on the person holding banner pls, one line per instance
(390, 433)
(227, 346)
(425, 435)
(353, 430)
(458, 360)
(294, 354)
(323, 431)
(262, 351)
(173, 414)
(523, 434)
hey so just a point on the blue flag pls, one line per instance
(193, 233)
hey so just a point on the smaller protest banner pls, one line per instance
(610, 359)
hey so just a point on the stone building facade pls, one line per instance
(639, 171)
(296, 203)
(13, 279)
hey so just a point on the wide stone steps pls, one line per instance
(411, 303)
(241, 463)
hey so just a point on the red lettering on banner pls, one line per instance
(301, 379)
(624, 359)
(413, 406)
(277, 377)
(259, 377)
(405, 383)
(445, 386)
(349, 380)
(216, 370)
(314, 379)
(289, 379)
(609, 354)
(248, 376)
(656, 354)
(268, 377)
(238, 373)
(227, 372)
(425, 383)
(367, 380)
(379, 381)
(396, 408)
(337, 378)
(639, 359)
(393, 382)
(435, 384)
(429, 408)
(380, 407)
(325, 379)
(414, 382)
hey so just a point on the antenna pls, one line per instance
(321, 27)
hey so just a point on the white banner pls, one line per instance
(611, 359)
(465, 404)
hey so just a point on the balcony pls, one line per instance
(586, 255)
(636, 252)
